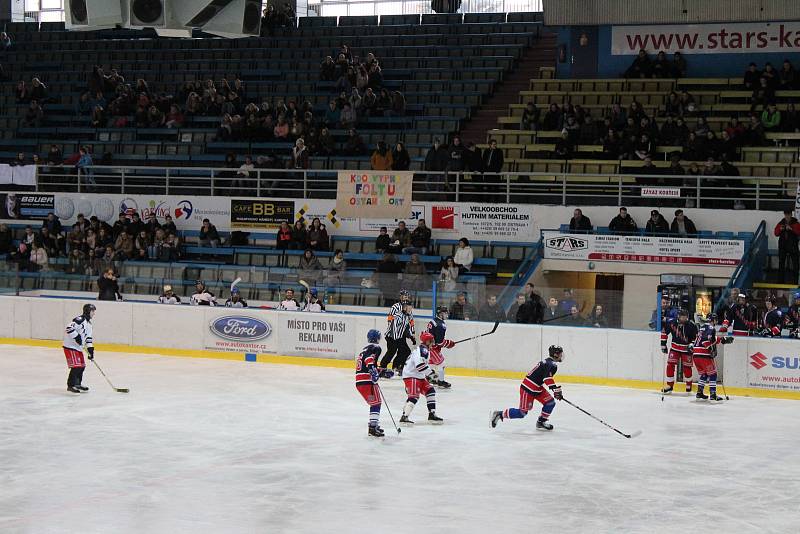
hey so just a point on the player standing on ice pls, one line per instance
(401, 326)
(741, 316)
(684, 333)
(367, 380)
(533, 389)
(705, 350)
(78, 335)
(418, 377)
(437, 328)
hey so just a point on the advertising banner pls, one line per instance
(643, 249)
(374, 194)
(776, 366)
(18, 175)
(261, 213)
(720, 38)
(316, 334)
(229, 331)
(661, 192)
(25, 206)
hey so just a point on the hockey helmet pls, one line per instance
(742, 295)
(88, 309)
(234, 291)
(167, 288)
(426, 338)
(797, 295)
(683, 312)
(440, 310)
(404, 296)
(313, 292)
(555, 352)
(374, 336)
(200, 283)
(711, 317)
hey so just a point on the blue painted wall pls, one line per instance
(699, 65)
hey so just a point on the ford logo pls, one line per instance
(238, 328)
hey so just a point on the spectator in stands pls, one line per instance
(679, 66)
(209, 236)
(318, 236)
(381, 159)
(54, 156)
(788, 233)
(38, 258)
(567, 302)
(123, 247)
(38, 90)
(77, 262)
(551, 312)
(553, 119)
(491, 312)
(530, 117)
(623, 224)
(597, 318)
(771, 118)
(463, 257)
(337, 266)
(580, 223)
(455, 161)
(682, 225)
(572, 317)
(436, 160)
(141, 246)
(420, 239)
(29, 237)
(49, 242)
(771, 76)
(327, 70)
(169, 226)
(300, 156)
(611, 145)
(284, 236)
(656, 224)
(787, 77)
(661, 67)
(763, 94)
(299, 236)
(383, 240)
(348, 118)
(5, 42)
(519, 302)
(152, 224)
(353, 145)
(493, 162)
(34, 115)
(641, 66)
(121, 226)
(589, 132)
(107, 286)
(413, 273)
(84, 166)
(174, 118)
(564, 147)
(448, 276)
(326, 143)
(281, 130)
(401, 160)
(23, 93)
(134, 227)
(309, 267)
(401, 238)
(462, 310)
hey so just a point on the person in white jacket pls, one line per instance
(463, 257)
(417, 376)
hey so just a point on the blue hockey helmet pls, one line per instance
(797, 295)
(711, 317)
(235, 291)
(374, 336)
(313, 291)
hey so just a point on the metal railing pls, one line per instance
(340, 8)
(506, 187)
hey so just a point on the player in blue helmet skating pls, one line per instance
(367, 375)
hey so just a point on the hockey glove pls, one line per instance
(432, 376)
(375, 374)
(448, 344)
(726, 340)
(691, 348)
(557, 393)
(664, 349)
(90, 350)
(413, 340)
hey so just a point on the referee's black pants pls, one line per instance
(398, 350)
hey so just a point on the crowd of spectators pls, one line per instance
(624, 224)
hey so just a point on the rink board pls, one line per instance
(752, 366)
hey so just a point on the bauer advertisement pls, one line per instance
(643, 249)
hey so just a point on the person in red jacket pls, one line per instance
(788, 231)
(284, 236)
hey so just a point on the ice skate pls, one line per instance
(73, 389)
(689, 387)
(434, 419)
(376, 431)
(667, 390)
(701, 396)
(404, 420)
(714, 397)
(542, 424)
(496, 416)
(84, 389)
(443, 384)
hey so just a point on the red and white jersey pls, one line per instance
(417, 364)
(435, 356)
(78, 334)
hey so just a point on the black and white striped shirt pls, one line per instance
(399, 322)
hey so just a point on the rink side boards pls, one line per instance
(619, 358)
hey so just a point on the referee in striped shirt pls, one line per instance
(401, 326)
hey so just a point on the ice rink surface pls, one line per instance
(226, 447)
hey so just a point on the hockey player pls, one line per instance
(741, 316)
(792, 317)
(418, 377)
(235, 300)
(77, 336)
(684, 333)
(401, 327)
(313, 303)
(437, 328)
(367, 375)
(169, 296)
(533, 389)
(705, 350)
(289, 303)
(202, 296)
(773, 320)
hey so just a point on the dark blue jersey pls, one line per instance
(366, 362)
(437, 328)
(773, 322)
(540, 376)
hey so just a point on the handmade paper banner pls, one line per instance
(374, 194)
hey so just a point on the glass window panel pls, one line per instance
(51, 16)
(52, 4)
(389, 8)
(31, 5)
(335, 10)
(361, 8)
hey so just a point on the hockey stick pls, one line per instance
(600, 420)
(235, 283)
(387, 408)
(664, 376)
(476, 337)
(118, 390)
